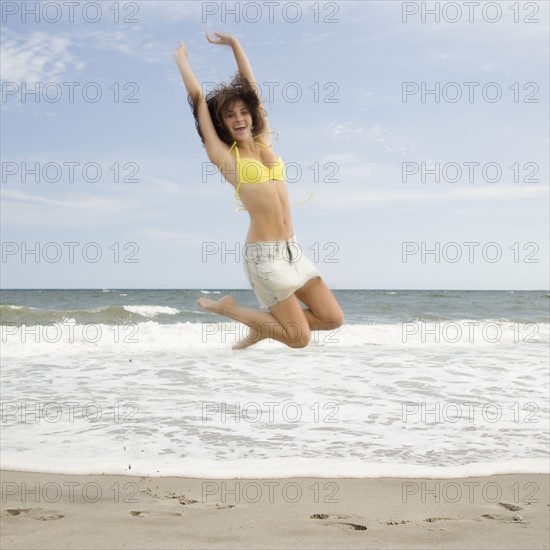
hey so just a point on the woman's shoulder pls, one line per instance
(265, 140)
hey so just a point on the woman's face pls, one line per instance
(238, 121)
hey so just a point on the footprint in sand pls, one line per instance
(147, 513)
(169, 495)
(34, 513)
(220, 506)
(396, 522)
(432, 520)
(48, 517)
(327, 516)
(16, 511)
(185, 501)
(348, 526)
(182, 499)
(342, 525)
(511, 507)
(505, 519)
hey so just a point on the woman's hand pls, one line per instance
(181, 53)
(223, 39)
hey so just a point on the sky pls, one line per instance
(421, 128)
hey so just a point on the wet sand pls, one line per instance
(107, 511)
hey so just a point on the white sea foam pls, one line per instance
(152, 311)
(69, 337)
(125, 464)
(181, 402)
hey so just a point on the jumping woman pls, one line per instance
(233, 126)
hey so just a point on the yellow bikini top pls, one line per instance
(252, 171)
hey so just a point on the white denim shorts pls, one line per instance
(276, 269)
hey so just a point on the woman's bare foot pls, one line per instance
(221, 306)
(253, 337)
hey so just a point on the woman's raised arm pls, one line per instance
(191, 83)
(240, 57)
(215, 147)
(243, 65)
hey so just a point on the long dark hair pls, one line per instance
(220, 100)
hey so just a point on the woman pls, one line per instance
(234, 127)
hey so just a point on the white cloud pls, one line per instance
(132, 41)
(174, 11)
(366, 99)
(373, 133)
(441, 55)
(120, 42)
(491, 66)
(171, 237)
(23, 209)
(353, 197)
(47, 57)
(519, 28)
(345, 129)
(313, 39)
(38, 57)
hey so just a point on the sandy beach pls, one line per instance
(107, 511)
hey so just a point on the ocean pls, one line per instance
(441, 383)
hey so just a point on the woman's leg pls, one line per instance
(324, 312)
(286, 322)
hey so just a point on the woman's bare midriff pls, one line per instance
(269, 212)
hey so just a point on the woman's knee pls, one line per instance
(338, 318)
(298, 335)
(333, 319)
